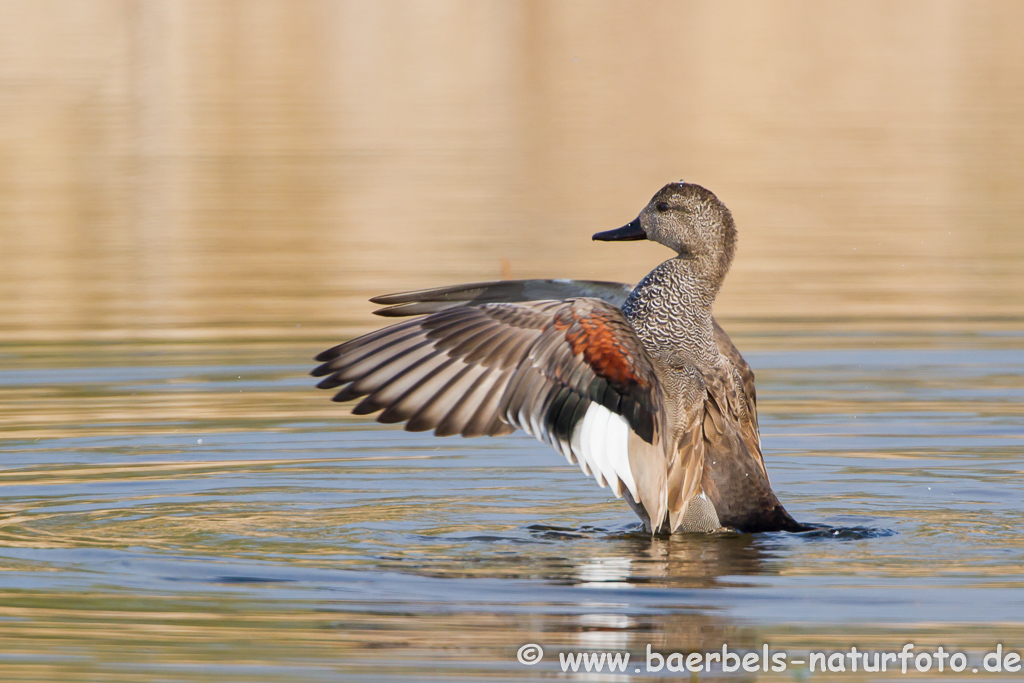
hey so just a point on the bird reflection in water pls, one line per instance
(687, 560)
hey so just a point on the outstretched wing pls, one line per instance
(571, 373)
(425, 301)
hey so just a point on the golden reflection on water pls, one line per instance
(202, 169)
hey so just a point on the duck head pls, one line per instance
(690, 221)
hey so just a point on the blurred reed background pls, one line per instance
(200, 169)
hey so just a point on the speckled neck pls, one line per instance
(671, 311)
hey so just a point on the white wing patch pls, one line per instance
(600, 442)
(594, 429)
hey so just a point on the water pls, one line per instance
(173, 512)
(196, 198)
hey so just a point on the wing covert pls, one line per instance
(425, 301)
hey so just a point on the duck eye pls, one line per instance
(662, 207)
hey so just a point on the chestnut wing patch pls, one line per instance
(621, 377)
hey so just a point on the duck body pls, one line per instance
(639, 386)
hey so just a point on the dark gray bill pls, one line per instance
(628, 232)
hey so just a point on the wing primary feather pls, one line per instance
(514, 392)
(335, 351)
(512, 291)
(545, 347)
(485, 349)
(455, 332)
(469, 349)
(384, 390)
(387, 377)
(460, 414)
(406, 404)
(441, 402)
(532, 390)
(416, 308)
(506, 348)
(372, 364)
(540, 410)
(483, 420)
(446, 322)
(512, 355)
(360, 360)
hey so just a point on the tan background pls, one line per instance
(194, 169)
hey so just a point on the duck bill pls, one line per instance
(627, 233)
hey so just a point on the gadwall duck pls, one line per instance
(640, 386)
